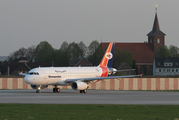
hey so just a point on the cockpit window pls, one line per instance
(33, 73)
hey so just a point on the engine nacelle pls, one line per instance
(79, 85)
(111, 71)
(41, 87)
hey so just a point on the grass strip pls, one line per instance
(88, 112)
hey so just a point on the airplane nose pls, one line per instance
(29, 79)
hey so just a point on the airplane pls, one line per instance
(78, 77)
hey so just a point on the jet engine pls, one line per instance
(41, 87)
(79, 85)
(112, 71)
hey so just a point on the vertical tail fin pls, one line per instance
(108, 56)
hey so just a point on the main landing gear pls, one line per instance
(83, 91)
(56, 89)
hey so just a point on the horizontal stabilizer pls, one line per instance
(124, 70)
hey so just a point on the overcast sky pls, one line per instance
(25, 23)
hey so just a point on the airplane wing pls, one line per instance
(100, 78)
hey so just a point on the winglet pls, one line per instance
(21, 73)
(141, 74)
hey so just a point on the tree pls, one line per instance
(31, 53)
(83, 48)
(127, 57)
(64, 46)
(74, 50)
(22, 52)
(58, 60)
(65, 55)
(174, 51)
(117, 58)
(122, 56)
(162, 51)
(96, 57)
(92, 47)
(45, 52)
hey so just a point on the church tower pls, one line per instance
(156, 37)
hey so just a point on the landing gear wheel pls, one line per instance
(83, 91)
(56, 90)
(37, 91)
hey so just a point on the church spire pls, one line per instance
(156, 28)
(156, 37)
(156, 8)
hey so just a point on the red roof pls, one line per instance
(142, 52)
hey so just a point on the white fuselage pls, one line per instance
(58, 75)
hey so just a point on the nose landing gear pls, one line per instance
(38, 89)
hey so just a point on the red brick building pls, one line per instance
(76, 62)
(144, 53)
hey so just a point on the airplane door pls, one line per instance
(45, 80)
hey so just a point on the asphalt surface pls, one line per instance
(91, 97)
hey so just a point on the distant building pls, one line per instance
(124, 66)
(144, 53)
(16, 67)
(79, 62)
(164, 66)
(21, 64)
(21, 60)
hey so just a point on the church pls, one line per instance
(144, 53)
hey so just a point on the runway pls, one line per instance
(91, 97)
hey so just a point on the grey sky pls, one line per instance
(28, 22)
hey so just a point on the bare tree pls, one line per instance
(93, 47)
(22, 52)
(31, 53)
(174, 51)
(83, 48)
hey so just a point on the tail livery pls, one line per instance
(106, 62)
(108, 56)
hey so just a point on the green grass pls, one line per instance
(88, 112)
